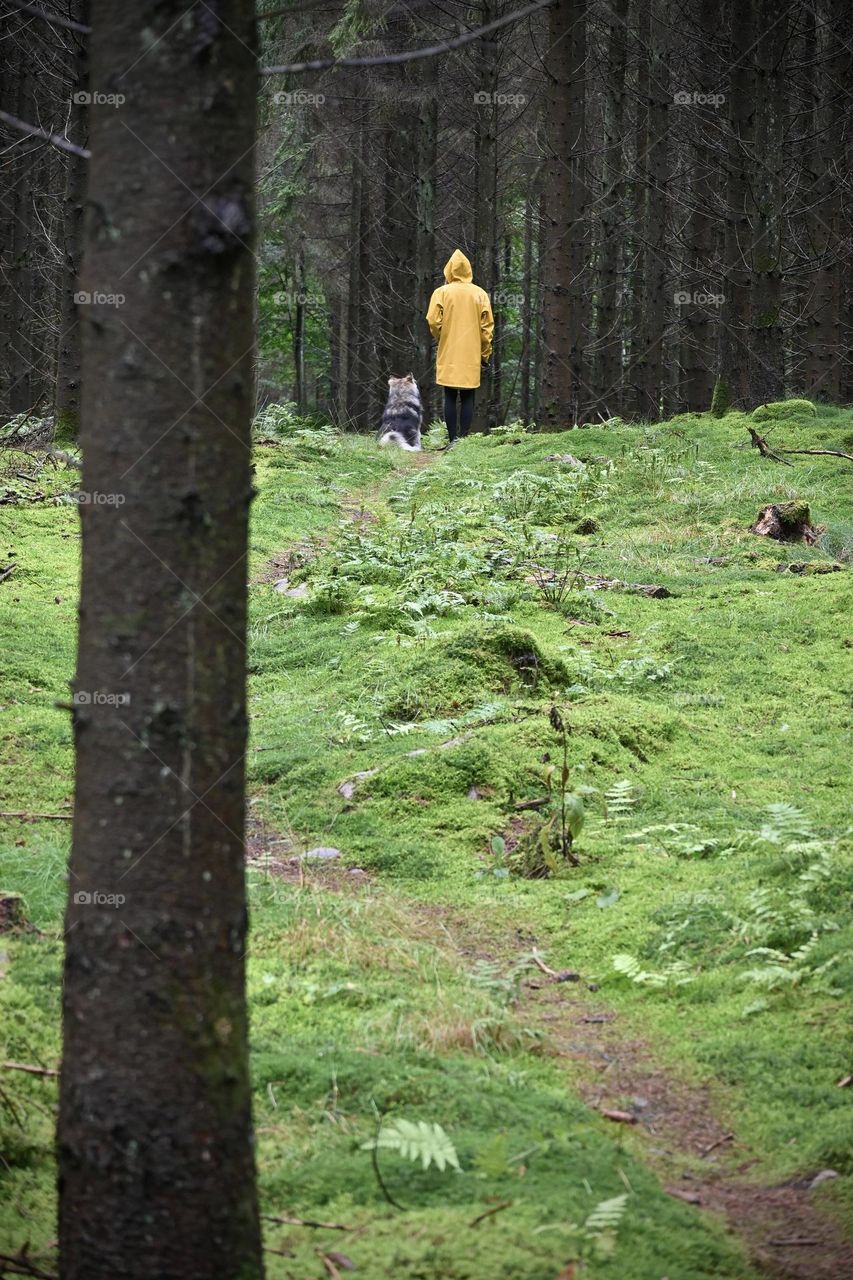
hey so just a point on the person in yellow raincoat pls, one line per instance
(460, 319)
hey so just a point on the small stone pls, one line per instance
(347, 790)
(322, 852)
(282, 585)
(297, 593)
(592, 986)
(825, 1175)
(639, 1104)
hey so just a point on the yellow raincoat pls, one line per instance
(460, 318)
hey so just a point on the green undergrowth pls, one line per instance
(400, 700)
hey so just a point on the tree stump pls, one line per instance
(11, 912)
(786, 522)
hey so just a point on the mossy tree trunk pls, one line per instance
(156, 1170)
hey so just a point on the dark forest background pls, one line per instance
(656, 195)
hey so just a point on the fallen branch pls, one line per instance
(10, 568)
(305, 1222)
(532, 804)
(31, 1070)
(36, 817)
(540, 964)
(826, 453)
(498, 1208)
(759, 443)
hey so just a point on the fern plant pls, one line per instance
(676, 974)
(420, 1141)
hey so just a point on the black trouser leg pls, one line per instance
(450, 418)
(466, 410)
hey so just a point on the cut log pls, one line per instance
(786, 522)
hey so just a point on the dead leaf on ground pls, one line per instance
(622, 1117)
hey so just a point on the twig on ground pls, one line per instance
(305, 1222)
(540, 964)
(706, 1151)
(10, 568)
(29, 1068)
(498, 1208)
(22, 816)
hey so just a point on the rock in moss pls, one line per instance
(777, 410)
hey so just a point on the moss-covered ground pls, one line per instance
(442, 605)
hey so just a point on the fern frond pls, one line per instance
(416, 1140)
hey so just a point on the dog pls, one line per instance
(401, 421)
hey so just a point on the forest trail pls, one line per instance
(673, 1125)
(400, 716)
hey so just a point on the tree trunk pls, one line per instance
(68, 357)
(651, 365)
(766, 364)
(608, 382)
(733, 383)
(633, 395)
(824, 348)
(156, 1170)
(299, 333)
(565, 304)
(700, 283)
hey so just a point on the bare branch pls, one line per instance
(55, 140)
(53, 20)
(411, 55)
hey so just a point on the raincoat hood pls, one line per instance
(458, 267)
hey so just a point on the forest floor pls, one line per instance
(641, 1061)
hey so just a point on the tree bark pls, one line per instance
(68, 355)
(698, 359)
(565, 303)
(766, 366)
(733, 382)
(156, 1170)
(609, 329)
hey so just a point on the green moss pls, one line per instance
(778, 410)
(362, 997)
(721, 399)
